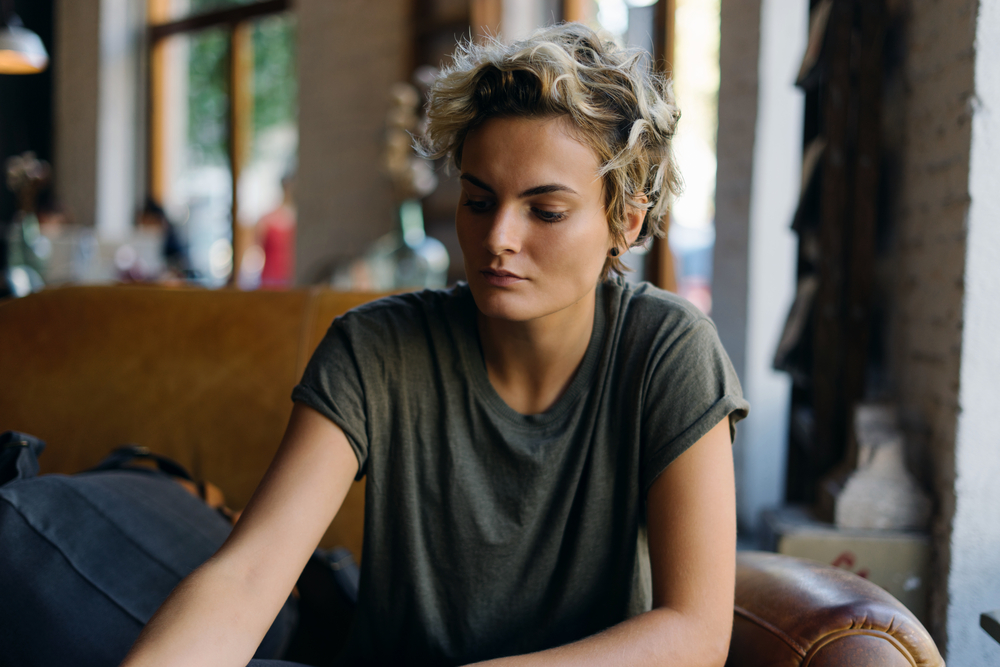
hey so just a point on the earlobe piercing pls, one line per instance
(613, 252)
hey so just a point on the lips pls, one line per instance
(500, 278)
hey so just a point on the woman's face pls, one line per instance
(531, 218)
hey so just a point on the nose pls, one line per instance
(505, 232)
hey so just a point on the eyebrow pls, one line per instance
(530, 192)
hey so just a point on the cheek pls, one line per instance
(464, 231)
(586, 246)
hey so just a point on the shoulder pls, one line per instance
(403, 316)
(434, 302)
(390, 336)
(646, 310)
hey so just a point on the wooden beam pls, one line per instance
(660, 269)
(836, 201)
(157, 11)
(485, 17)
(156, 185)
(663, 35)
(863, 221)
(240, 130)
(579, 11)
(229, 16)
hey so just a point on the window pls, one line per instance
(223, 131)
(648, 25)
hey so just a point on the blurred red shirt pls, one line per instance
(277, 240)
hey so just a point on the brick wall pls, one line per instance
(76, 67)
(350, 52)
(738, 63)
(929, 209)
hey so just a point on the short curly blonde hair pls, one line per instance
(624, 112)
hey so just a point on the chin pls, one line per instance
(504, 304)
(501, 306)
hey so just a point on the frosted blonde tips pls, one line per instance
(624, 112)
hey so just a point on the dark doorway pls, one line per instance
(26, 101)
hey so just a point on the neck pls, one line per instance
(531, 364)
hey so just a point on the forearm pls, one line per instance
(218, 615)
(214, 617)
(658, 637)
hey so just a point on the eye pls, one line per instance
(548, 216)
(478, 205)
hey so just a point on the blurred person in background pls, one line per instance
(276, 237)
(174, 250)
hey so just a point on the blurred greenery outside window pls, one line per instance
(224, 101)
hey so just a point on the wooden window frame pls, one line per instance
(659, 267)
(239, 122)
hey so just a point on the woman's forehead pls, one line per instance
(528, 152)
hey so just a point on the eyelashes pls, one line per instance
(480, 206)
(477, 205)
(548, 216)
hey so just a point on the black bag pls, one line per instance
(86, 559)
(328, 596)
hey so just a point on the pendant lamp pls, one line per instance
(21, 51)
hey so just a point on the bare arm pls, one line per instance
(218, 615)
(691, 514)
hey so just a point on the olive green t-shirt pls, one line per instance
(492, 533)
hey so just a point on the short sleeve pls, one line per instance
(332, 384)
(691, 387)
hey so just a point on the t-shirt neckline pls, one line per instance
(475, 366)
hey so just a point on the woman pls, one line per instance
(547, 452)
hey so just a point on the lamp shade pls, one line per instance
(21, 51)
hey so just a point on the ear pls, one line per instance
(634, 217)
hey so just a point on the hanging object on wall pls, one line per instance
(23, 249)
(21, 50)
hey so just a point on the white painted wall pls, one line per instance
(761, 453)
(974, 577)
(520, 18)
(738, 69)
(119, 120)
(99, 114)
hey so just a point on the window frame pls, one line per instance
(239, 94)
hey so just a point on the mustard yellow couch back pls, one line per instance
(204, 377)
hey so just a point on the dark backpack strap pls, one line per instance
(121, 457)
(19, 454)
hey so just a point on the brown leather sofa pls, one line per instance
(205, 378)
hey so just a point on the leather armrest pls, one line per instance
(791, 612)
